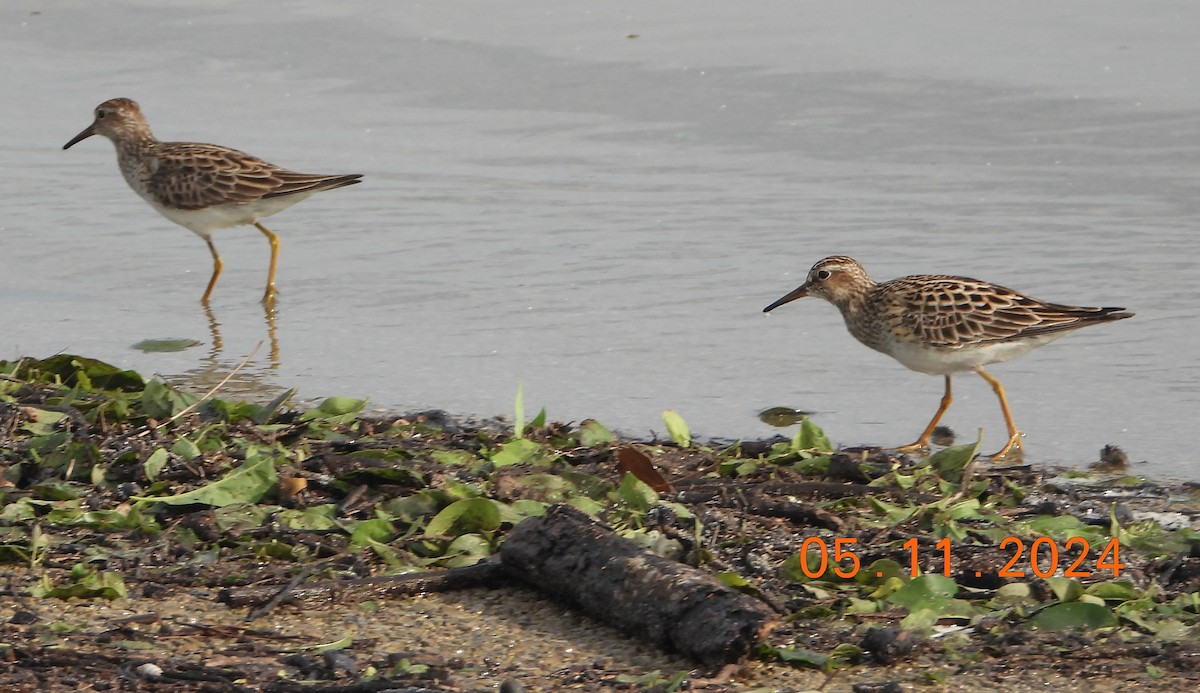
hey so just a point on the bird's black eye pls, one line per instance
(823, 274)
(100, 113)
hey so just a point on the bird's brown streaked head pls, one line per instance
(112, 117)
(836, 279)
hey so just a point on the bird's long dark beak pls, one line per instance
(798, 292)
(87, 132)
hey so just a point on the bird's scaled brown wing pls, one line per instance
(194, 176)
(291, 183)
(949, 312)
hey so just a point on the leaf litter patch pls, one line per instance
(880, 567)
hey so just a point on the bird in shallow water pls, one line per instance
(942, 325)
(203, 187)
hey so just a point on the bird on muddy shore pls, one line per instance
(203, 187)
(942, 325)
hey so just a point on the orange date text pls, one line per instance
(1041, 557)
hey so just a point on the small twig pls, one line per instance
(486, 573)
(968, 474)
(279, 596)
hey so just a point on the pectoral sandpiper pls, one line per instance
(203, 187)
(941, 325)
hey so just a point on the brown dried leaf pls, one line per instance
(635, 462)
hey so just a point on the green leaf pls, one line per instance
(421, 504)
(951, 462)
(185, 449)
(549, 488)
(845, 653)
(1063, 527)
(792, 570)
(519, 412)
(469, 515)
(593, 433)
(879, 572)
(458, 490)
(1114, 591)
(406, 668)
(241, 517)
(802, 657)
(22, 510)
(1073, 616)
(246, 484)
(467, 549)
(923, 590)
(539, 420)
(335, 645)
(922, 617)
(587, 505)
(892, 513)
(1151, 538)
(315, 518)
(400, 474)
(812, 466)
(1015, 592)
(734, 580)
(677, 429)
(371, 532)
(336, 410)
(811, 437)
(636, 494)
(40, 422)
(161, 401)
(155, 463)
(967, 509)
(64, 513)
(515, 452)
(1065, 589)
(84, 585)
(453, 458)
(854, 605)
(87, 373)
(268, 411)
(526, 507)
(115, 520)
(1172, 630)
(58, 491)
(165, 345)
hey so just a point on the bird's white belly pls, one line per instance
(205, 221)
(946, 361)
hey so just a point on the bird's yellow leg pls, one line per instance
(1014, 436)
(217, 265)
(923, 441)
(269, 295)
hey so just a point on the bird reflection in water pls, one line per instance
(218, 344)
(246, 375)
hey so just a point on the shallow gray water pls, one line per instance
(597, 201)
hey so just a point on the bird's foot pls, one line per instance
(921, 445)
(1012, 452)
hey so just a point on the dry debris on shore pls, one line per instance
(139, 528)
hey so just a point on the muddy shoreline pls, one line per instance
(127, 507)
